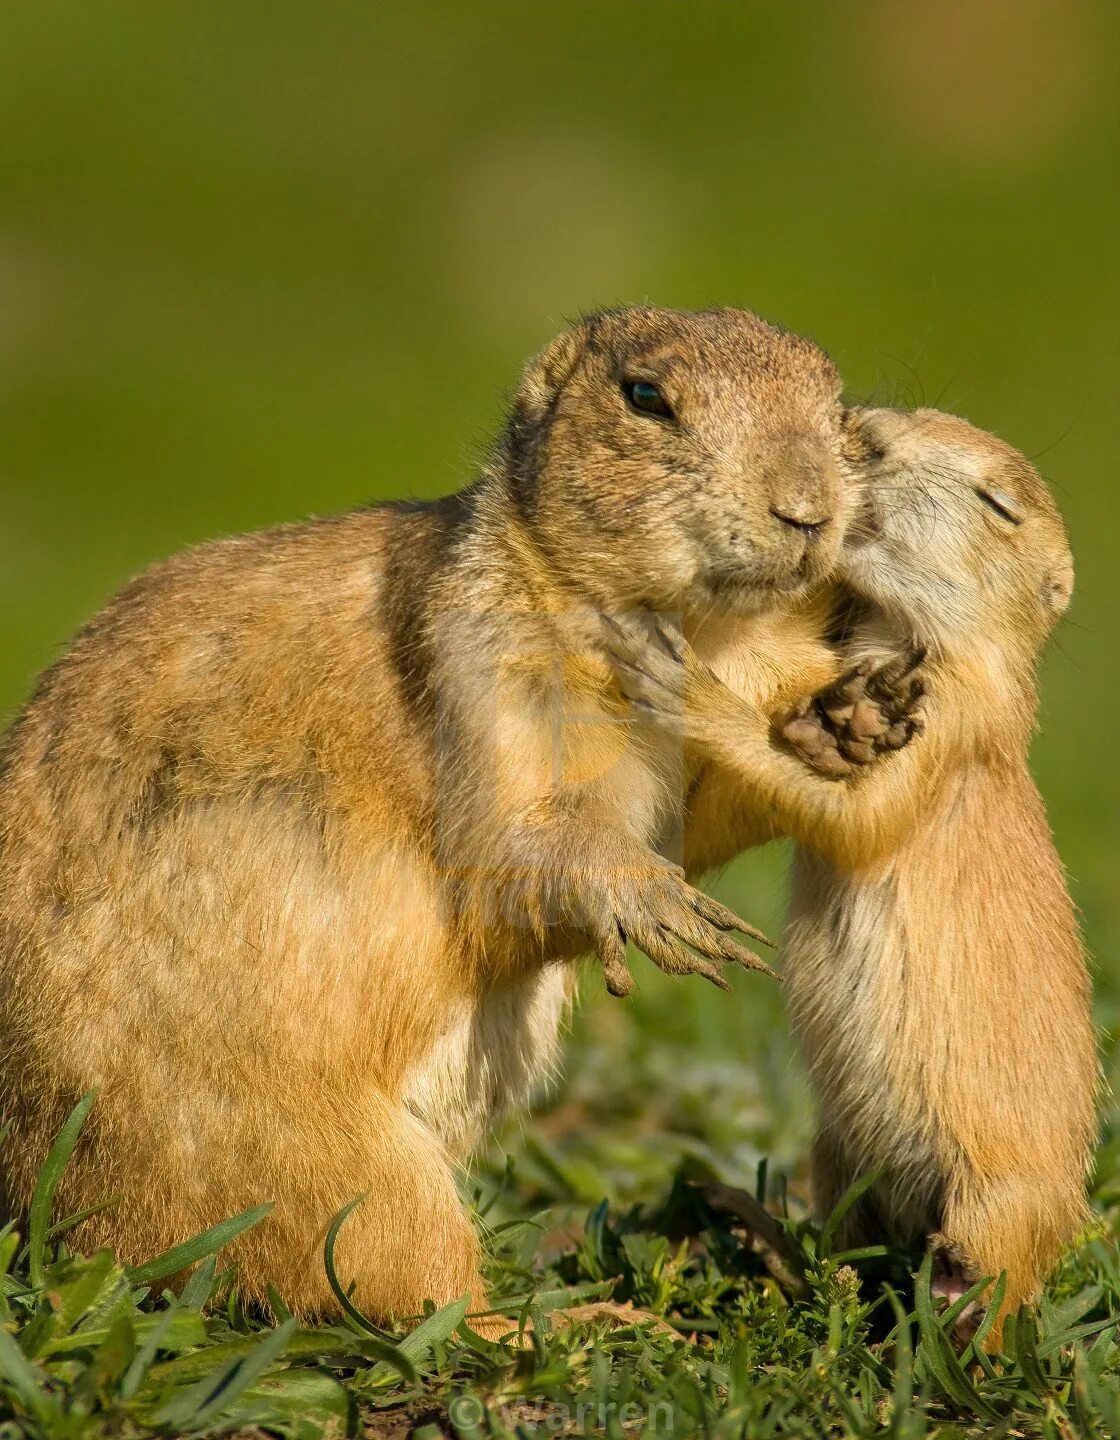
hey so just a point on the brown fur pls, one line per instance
(934, 966)
(299, 841)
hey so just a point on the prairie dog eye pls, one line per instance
(647, 399)
(1003, 504)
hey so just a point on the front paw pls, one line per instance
(649, 662)
(870, 711)
(659, 674)
(682, 930)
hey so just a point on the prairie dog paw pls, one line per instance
(872, 710)
(654, 664)
(682, 930)
(660, 673)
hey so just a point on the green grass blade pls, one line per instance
(431, 1332)
(79, 1215)
(362, 1322)
(1026, 1353)
(999, 1290)
(903, 1390)
(298, 1404)
(185, 1331)
(218, 1390)
(190, 1252)
(9, 1244)
(1085, 1411)
(1054, 1343)
(200, 1284)
(305, 1344)
(849, 1198)
(561, 1298)
(112, 1358)
(937, 1353)
(1105, 1395)
(133, 1377)
(39, 1216)
(864, 1252)
(236, 1378)
(434, 1330)
(1075, 1308)
(76, 1287)
(24, 1378)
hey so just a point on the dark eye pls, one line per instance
(647, 399)
(1004, 505)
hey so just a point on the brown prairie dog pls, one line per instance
(949, 1031)
(300, 841)
(934, 968)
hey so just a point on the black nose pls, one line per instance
(811, 529)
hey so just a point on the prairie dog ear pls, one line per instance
(864, 433)
(547, 373)
(526, 439)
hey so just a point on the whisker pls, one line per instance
(1077, 419)
(952, 380)
(1065, 654)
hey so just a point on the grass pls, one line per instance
(253, 267)
(692, 1308)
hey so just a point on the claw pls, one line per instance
(710, 972)
(724, 919)
(668, 640)
(610, 947)
(631, 671)
(896, 670)
(620, 982)
(740, 955)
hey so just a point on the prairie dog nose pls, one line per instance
(802, 517)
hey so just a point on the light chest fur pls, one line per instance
(493, 1052)
(856, 1004)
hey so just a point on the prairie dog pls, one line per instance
(934, 967)
(300, 841)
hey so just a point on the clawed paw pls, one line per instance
(682, 930)
(653, 663)
(870, 711)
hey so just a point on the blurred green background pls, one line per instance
(259, 260)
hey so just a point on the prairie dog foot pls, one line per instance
(953, 1275)
(682, 930)
(870, 711)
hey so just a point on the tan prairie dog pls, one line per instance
(935, 971)
(301, 839)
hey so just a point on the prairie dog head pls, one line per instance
(681, 461)
(959, 539)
